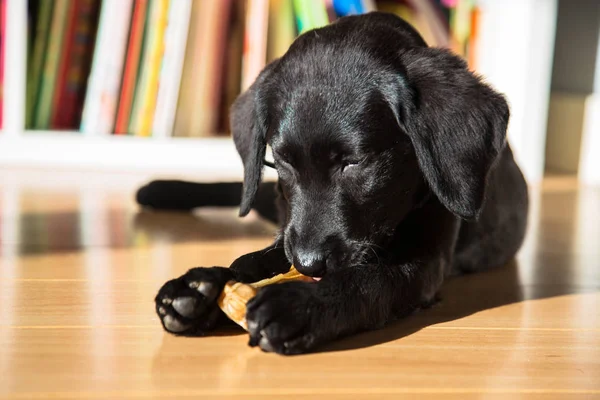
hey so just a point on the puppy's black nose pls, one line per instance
(311, 263)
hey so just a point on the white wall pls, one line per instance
(515, 55)
(573, 143)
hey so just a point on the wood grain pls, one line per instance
(80, 267)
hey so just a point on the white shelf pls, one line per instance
(72, 149)
(212, 158)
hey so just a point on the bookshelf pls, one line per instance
(21, 147)
(526, 84)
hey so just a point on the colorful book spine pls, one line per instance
(369, 6)
(152, 69)
(473, 39)
(190, 70)
(75, 64)
(460, 24)
(63, 64)
(71, 103)
(310, 14)
(2, 51)
(303, 18)
(255, 49)
(172, 66)
(201, 88)
(431, 18)
(215, 44)
(348, 7)
(141, 89)
(331, 14)
(51, 65)
(38, 58)
(233, 63)
(100, 106)
(318, 14)
(142, 73)
(132, 62)
(282, 30)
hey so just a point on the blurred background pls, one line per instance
(145, 85)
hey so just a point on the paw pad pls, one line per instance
(173, 325)
(188, 307)
(208, 290)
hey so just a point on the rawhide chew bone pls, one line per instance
(236, 295)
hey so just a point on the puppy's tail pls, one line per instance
(185, 196)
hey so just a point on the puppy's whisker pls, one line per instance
(371, 247)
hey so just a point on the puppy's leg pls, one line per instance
(187, 305)
(184, 196)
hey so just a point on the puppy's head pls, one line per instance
(364, 121)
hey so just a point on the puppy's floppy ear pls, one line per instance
(457, 125)
(248, 119)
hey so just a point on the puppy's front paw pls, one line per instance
(285, 318)
(187, 305)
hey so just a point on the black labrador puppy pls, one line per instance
(394, 173)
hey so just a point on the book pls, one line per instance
(431, 18)
(232, 78)
(255, 50)
(318, 14)
(104, 82)
(154, 63)
(369, 6)
(63, 61)
(302, 13)
(201, 85)
(310, 14)
(2, 50)
(32, 13)
(52, 60)
(37, 58)
(282, 29)
(331, 14)
(145, 92)
(75, 64)
(132, 62)
(460, 25)
(473, 39)
(172, 65)
(348, 7)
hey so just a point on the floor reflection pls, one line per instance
(31, 225)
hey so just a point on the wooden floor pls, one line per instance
(80, 265)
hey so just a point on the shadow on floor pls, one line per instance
(463, 296)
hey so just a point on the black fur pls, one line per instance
(394, 173)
